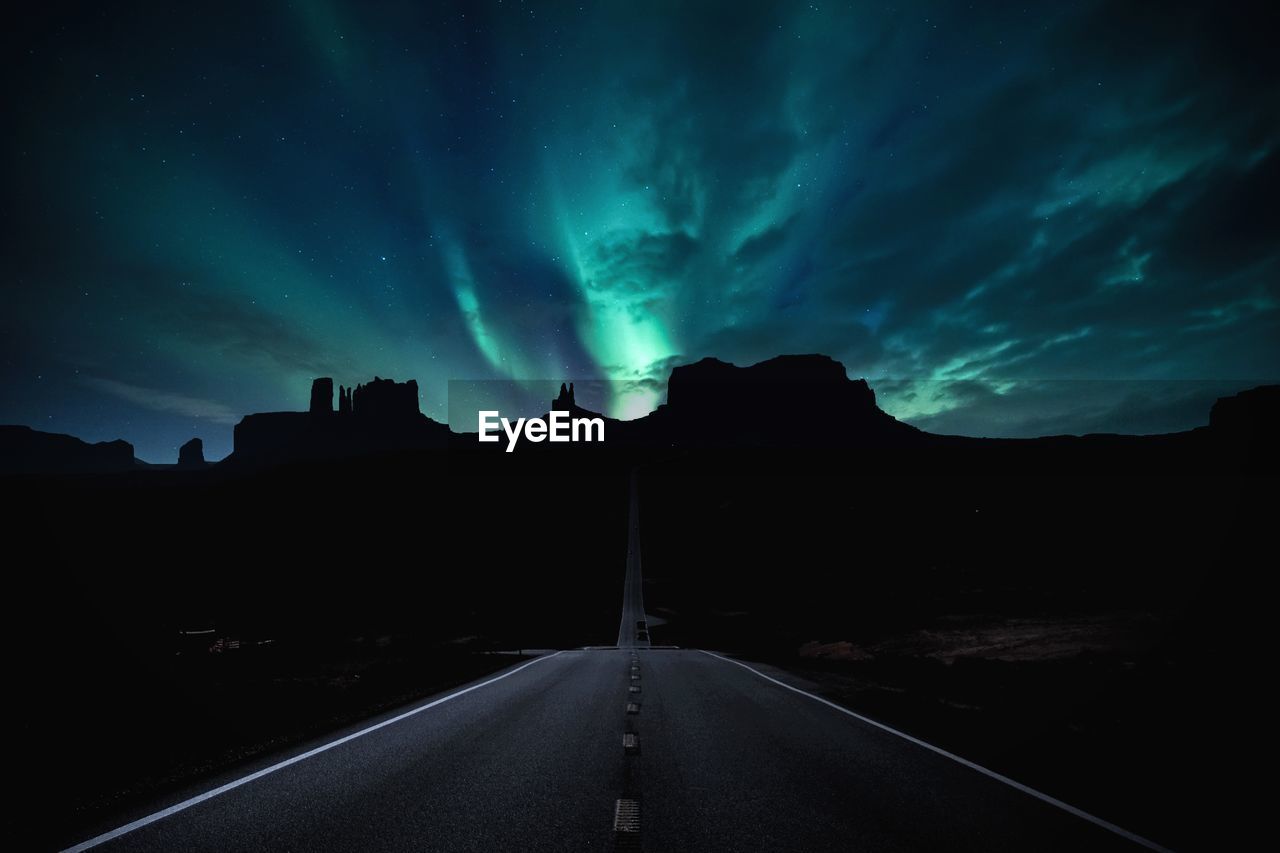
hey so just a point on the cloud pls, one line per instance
(1054, 407)
(166, 401)
(639, 264)
(756, 247)
(234, 327)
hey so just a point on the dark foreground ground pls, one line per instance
(531, 760)
(164, 625)
(1099, 635)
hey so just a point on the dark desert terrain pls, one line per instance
(1064, 611)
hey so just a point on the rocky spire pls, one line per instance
(322, 396)
(564, 402)
(385, 398)
(191, 454)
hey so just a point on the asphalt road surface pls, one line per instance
(633, 748)
(633, 629)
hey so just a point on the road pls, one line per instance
(722, 756)
(632, 630)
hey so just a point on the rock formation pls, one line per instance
(1246, 425)
(191, 454)
(1248, 416)
(385, 398)
(794, 382)
(376, 417)
(322, 396)
(791, 400)
(27, 451)
(564, 402)
(796, 401)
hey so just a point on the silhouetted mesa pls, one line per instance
(24, 450)
(191, 454)
(791, 400)
(1249, 417)
(378, 417)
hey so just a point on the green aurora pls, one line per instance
(984, 212)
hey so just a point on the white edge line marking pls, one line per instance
(1053, 801)
(222, 789)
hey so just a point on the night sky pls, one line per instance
(207, 205)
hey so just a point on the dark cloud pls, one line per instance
(759, 246)
(632, 263)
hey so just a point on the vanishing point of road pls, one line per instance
(615, 749)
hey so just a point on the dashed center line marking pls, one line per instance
(626, 816)
(635, 688)
(626, 826)
(633, 708)
(630, 743)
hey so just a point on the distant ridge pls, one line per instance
(789, 401)
(24, 450)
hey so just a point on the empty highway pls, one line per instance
(633, 629)
(629, 748)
